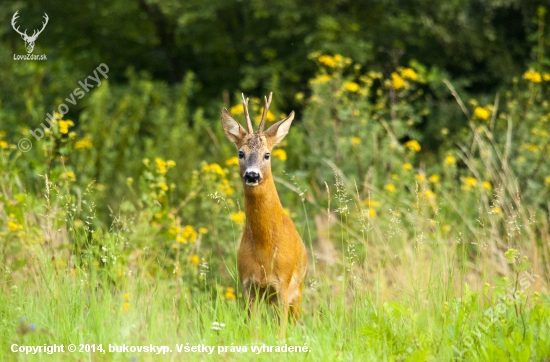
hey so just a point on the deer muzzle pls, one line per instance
(252, 177)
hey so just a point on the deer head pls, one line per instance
(255, 147)
(29, 40)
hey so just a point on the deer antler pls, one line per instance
(246, 115)
(267, 103)
(35, 34)
(13, 19)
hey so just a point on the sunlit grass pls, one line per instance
(343, 319)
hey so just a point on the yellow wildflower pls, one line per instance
(270, 117)
(126, 307)
(482, 113)
(546, 77)
(450, 160)
(409, 73)
(351, 86)
(434, 179)
(372, 212)
(374, 75)
(13, 226)
(163, 186)
(429, 194)
(420, 177)
(230, 293)
(68, 122)
(225, 188)
(470, 181)
(170, 163)
(238, 217)
(547, 181)
(496, 210)
(280, 154)
(486, 185)
(161, 165)
(532, 76)
(83, 143)
(371, 203)
(233, 161)
(355, 140)
(328, 61)
(189, 233)
(413, 145)
(237, 109)
(390, 187)
(321, 79)
(3, 144)
(127, 296)
(397, 81)
(195, 260)
(407, 166)
(229, 191)
(215, 168)
(203, 230)
(70, 175)
(64, 126)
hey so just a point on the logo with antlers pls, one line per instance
(29, 40)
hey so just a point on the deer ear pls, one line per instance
(279, 130)
(232, 129)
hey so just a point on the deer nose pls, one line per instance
(251, 177)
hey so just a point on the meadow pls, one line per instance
(411, 258)
(416, 172)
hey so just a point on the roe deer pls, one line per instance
(272, 258)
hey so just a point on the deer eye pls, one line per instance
(241, 155)
(267, 156)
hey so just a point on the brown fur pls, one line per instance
(272, 259)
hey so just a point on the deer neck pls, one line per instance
(263, 210)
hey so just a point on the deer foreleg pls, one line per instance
(284, 303)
